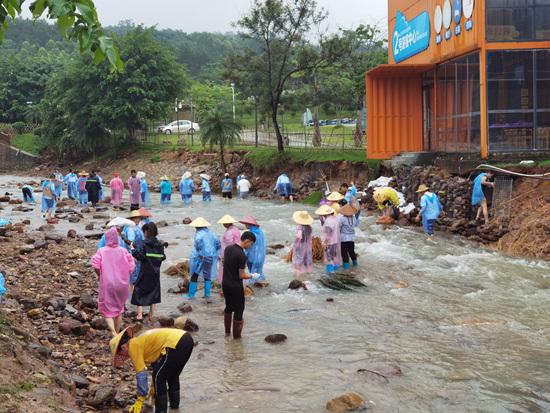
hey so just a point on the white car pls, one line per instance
(184, 127)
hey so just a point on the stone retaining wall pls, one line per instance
(12, 158)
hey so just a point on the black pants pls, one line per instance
(167, 369)
(227, 195)
(27, 194)
(134, 207)
(234, 302)
(348, 251)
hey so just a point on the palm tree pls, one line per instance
(219, 128)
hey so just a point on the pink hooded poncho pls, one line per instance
(302, 250)
(135, 190)
(330, 236)
(231, 236)
(117, 188)
(115, 265)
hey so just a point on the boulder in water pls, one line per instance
(187, 221)
(185, 308)
(276, 338)
(71, 233)
(348, 402)
(297, 285)
(165, 321)
(184, 323)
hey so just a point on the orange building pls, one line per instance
(464, 76)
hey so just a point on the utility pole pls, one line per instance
(256, 118)
(233, 92)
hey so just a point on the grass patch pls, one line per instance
(5, 327)
(545, 163)
(155, 159)
(29, 142)
(15, 389)
(314, 199)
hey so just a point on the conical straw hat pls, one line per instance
(325, 210)
(227, 219)
(423, 188)
(347, 211)
(199, 223)
(335, 197)
(302, 218)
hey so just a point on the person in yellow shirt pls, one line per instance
(388, 201)
(167, 350)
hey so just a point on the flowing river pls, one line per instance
(469, 331)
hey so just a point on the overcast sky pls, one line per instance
(217, 15)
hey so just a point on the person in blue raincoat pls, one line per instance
(204, 257)
(71, 181)
(2, 286)
(82, 191)
(257, 253)
(165, 190)
(49, 196)
(28, 196)
(478, 196)
(227, 187)
(430, 209)
(101, 185)
(205, 186)
(186, 188)
(145, 195)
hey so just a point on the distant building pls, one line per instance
(465, 76)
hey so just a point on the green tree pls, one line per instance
(76, 19)
(219, 129)
(282, 30)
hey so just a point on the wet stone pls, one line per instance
(348, 402)
(185, 307)
(276, 338)
(101, 394)
(297, 285)
(165, 321)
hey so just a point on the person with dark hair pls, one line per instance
(93, 186)
(482, 181)
(234, 272)
(167, 351)
(151, 255)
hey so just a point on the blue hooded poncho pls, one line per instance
(256, 254)
(204, 257)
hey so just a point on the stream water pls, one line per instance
(470, 332)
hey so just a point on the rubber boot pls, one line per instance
(346, 266)
(354, 263)
(174, 400)
(161, 403)
(237, 329)
(330, 268)
(192, 289)
(227, 320)
(207, 288)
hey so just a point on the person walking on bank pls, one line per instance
(167, 351)
(186, 187)
(227, 187)
(205, 186)
(430, 209)
(204, 257)
(348, 223)
(49, 196)
(302, 248)
(93, 187)
(478, 195)
(234, 270)
(134, 184)
(150, 254)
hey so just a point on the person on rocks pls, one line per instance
(28, 195)
(101, 185)
(204, 257)
(482, 181)
(150, 253)
(93, 187)
(231, 236)
(134, 184)
(348, 223)
(302, 248)
(82, 191)
(430, 209)
(49, 196)
(257, 253)
(284, 187)
(3, 289)
(113, 264)
(243, 187)
(71, 181)
(186, 187)
(117, 190)
(165, 190)
(234, 270)
(167, 351)
(330, 237)
(205, 187)
(145, 195)
(388, 201)
(227, 187)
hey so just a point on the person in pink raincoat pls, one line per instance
(302, 248)
(114, 265)
(330, 237)
(232, 235)
(117, 188)
(134, 183)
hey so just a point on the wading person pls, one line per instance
(186, 187)
(234, 270)
(430, 209)
(302, 249)
(284, 187)
(82, 192)
(150, 253)
(330, 237)
(134, 184)
(204, 257)
(145, 196)
(227, 187)
(257, 253)
(48, 196)
(231, 236)
(71, 181)
(93, 187)
(348, 223)
(167, 351)
(113, 264)
(117, 189)
(478, 195)
(243, 187)
(205, 187)
(165, 190)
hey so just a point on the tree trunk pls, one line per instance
(316, 134)
(358, 135)
(280, 143)
(222, 160)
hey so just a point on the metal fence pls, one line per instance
(502, 197)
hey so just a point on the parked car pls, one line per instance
(184, 127)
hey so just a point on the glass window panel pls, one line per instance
(542, 23)
(510, 131)
(510, 79)
(543, 130)
(509, 3)
(510, 24)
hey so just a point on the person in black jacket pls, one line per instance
(151, 255)
(93, 186)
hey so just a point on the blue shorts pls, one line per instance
(49, 203)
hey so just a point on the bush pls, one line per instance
(37, 131)
(19, 127)
(155, 159)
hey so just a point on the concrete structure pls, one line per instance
(13, 159)
(465, 77)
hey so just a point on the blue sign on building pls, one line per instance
(410, 37)
(457, 11)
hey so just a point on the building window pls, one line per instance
(458, 114)
(519, 108)
(518, 20)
